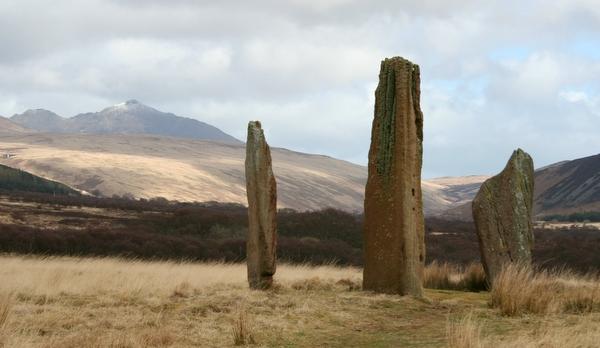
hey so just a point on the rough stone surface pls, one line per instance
(502, 211)
(394, 227)
(262, 210)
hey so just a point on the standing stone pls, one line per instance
(262, 210)
(502, 211)
(394, 227)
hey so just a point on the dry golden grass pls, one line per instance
(520, 289)
(453, 277)
(72, 302)
(464, 334)
(584, 333)
(5, 310)
(242, 329)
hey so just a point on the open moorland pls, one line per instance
(44, 224)
(142, 166)
(82, 302)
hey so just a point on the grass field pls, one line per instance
(72, 302)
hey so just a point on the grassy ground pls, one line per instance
(69, 302)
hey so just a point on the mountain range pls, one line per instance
(133, 149)
(568, 186)
(561, 188)
(7, 126)
(130, 117)
(148, 166)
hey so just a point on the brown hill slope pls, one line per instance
(561, 188)
(570, 186)
(450, 192)
(181, 169)
(8, 127)
(192, 170)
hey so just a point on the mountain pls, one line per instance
(131, 148)
(130, 117)
(561, 188)
(568, 186)
(133, 117)
(7, 126)
(192, 170)
(40, 120)
(148, 166)
(88, 156)
(442, 194)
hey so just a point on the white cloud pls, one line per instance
(574, 96)
(495, 76)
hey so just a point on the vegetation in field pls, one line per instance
(79, 302)
(158, 229)
(522, 290)
(590, 216)
(17, 180)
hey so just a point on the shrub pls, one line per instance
(454, 277)
(520, 289)
(5, 311)
(242, 330)
(464, 334)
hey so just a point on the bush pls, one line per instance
(520, 289)
(454, 277)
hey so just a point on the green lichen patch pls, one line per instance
(387, 120)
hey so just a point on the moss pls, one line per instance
(386, 112)
(416, 97)
(387, 120)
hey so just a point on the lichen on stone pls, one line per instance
(261, 189)
(394, 226)
(387, 121)
(502, 211)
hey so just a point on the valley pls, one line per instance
(142, 166)
(126, 150)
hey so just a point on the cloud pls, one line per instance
(495, 76)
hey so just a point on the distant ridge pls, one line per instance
(40, 120)
(563, 187)
(130, 117)
(147, 166)
(569, 186)
(7, 126)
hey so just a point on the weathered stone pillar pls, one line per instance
(261, 247)
(502, 211)
(394, 227)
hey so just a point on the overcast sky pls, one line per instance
(496, 75)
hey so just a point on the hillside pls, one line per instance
(7, 126)
(569, 186)
(181, 169)
(40, 120)
(193, 170)
(130, 117)
(442, 194)
(148, 166)
(15, 179)
(561, 188)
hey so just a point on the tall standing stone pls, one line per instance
(262, 210)
(502, 211)
(394, 227)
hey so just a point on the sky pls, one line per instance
(495, 75)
